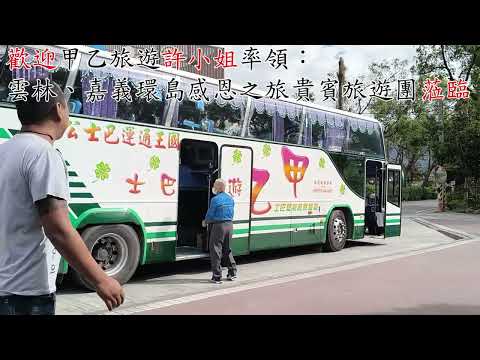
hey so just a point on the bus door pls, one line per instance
(393, 218)
(236, 169)
(374, 197)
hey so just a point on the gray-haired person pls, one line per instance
(220, 216)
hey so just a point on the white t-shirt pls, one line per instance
(30, 170)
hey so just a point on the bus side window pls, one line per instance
(227, 120)
(291, 130)
(141, 110)
(81, 102)
(260, 126)
(365, 137)
(318, 131)
(336, 132)
(190, 115)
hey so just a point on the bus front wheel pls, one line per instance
(336, 232)
(116, 248)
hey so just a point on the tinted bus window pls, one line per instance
(137, 110)
(260, 126)
(291, 129)
(336, 132)
(226, 119)
(318, 133)
(192, 116)
(366, 140)
(352, 169)
(394, 187)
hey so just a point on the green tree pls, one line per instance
(458, 120)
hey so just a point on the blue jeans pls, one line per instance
(27, 305)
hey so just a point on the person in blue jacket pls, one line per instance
(220, 216)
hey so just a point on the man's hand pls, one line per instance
(111, 293)
(58, 228)
(204, 223)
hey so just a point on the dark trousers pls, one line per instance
(220, 252)
(27, 305)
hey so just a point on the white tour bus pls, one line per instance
(140, 172)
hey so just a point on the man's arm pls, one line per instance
(56, 223)
(211, 210)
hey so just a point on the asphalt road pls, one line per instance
(362, 278)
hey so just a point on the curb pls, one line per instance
(456, 234)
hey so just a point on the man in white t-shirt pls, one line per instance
(34, 224)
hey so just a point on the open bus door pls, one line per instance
(236, 169)
(393, 218)
(375, 197)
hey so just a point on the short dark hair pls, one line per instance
(35, 112)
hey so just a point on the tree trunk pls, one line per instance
(431, 165)
(409, 169)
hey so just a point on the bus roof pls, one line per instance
(185, 74)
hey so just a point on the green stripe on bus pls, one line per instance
(13, 131)
(78, 209)
(359, 221)
(289, 217)
(76, 184)
(162, 234)
(4, 134)
(240, 231)
(72, 173)
(160, 223)
(393, 221)
(283, 226)
(81, 196)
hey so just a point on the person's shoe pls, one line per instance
(231, 277)
(215, 280)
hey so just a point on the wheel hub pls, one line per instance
(110, 251)
(339, 230)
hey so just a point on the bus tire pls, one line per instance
(116, 248)
(337, 232)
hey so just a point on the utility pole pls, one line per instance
(341, 81)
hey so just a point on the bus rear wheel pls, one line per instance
(336, 232)
(116, 248)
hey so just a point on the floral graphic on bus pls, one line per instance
(321, 163)
(165, 183)
(237, 156)
(267, 150)
(154, 162)
(260, 178)
(294, 167)
(102, 171)
(135, 184)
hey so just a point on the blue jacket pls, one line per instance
(221, 208)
